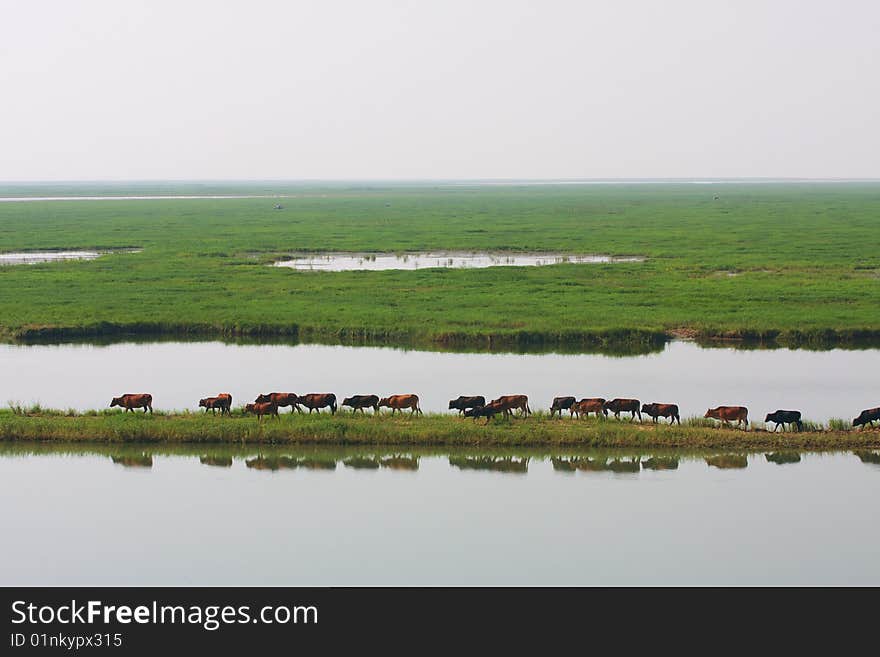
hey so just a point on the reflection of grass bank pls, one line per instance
(344, 429)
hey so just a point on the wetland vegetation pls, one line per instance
(796, 264)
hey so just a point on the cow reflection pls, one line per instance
(728, 461)
(490, 463)
(361, 463)
(218, 461)
(661, 463)
(781, 458)
(136, 461)
(868, 456)
(398, 462)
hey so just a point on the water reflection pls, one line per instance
(490, 463)
(868, 456)
(661, 463)
(361, 463)
(451, 259)
(728, 461)
(781, 458)
(218, 461)
(134, 461)
(399, 462)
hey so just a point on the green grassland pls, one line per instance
(431, 429)
(797, 263)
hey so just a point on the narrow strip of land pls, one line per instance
(347, 429)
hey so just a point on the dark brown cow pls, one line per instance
(223, 401)
(262, 408)
(561, 404)
(280, 399)
(656, 410)
(589, 405)
(510, 403)
(315, 401)
(464, 403)
(131, 401)
(618, 406)
(360, 402)
(400, 402)
(867, 417)
(740, 414)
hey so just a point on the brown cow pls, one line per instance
(656, 410)
(589, 405)
(488, 411)
(223, 401)
(400, 402)
(510, 403)
(262, 408)
(317, 400)
(131, 401)
(727, 413)
(280, 399)
(618, 406)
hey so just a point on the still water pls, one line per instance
(131, 516)
(455, 260)
(822, 384)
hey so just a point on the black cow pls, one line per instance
(783, 418)
(464, 403)
(561, 404)
(867, 417)
(360, 402)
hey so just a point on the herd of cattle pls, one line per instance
(476, 406)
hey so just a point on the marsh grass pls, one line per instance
(801, 253)
(431, 429)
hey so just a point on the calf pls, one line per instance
(618, 406)
(214, 403)
(488, 411)
(783, 418)
(561, 404)
(131, 401)
(401, 402)
(262, 408)
(464, 403)
(360, 402)
(656, 410)
(589, 405)
(867, 417)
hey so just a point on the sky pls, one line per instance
(392, 89)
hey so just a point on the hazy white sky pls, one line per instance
(124, 89)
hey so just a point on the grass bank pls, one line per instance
(787, 264)
(447, 430)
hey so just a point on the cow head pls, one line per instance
(859, 420)
(647, 408)
(768, 417)
(116, 401)
(203, 402)
(385, 401)
(708, 413)
(262, 398)
(249, 408)
(346, 401)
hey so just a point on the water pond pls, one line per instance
(451, 259)
(136, 515)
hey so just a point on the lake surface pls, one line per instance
(36, 257)
(129, 516)
(822, 384)
(451, 259)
